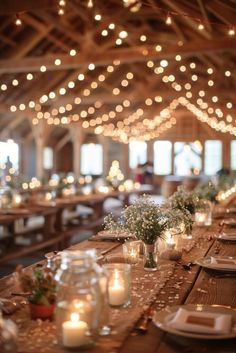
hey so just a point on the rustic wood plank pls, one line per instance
(128, 55)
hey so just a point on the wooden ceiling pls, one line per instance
(128, 68)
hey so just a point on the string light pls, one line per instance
(201, 27)
(168, 20)
(231, 32)
(18, 21)
(158, 70)
(62, 3)
(61, 11)
(90, 4)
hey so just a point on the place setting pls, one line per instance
(197, 321)
(226, 236)
(118, 176)
(224, 265)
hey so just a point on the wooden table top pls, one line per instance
(170, 285)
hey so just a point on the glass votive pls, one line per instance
(131, 250)
(203, 218)
(8, 336)
(203, 213)
(79, 300)
(104, 328)
(119, 284)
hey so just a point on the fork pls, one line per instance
(142, 324)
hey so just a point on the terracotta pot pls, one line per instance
(38, 311)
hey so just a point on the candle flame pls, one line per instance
(74, 317)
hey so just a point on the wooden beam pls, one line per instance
(8, 7)
(125, 55)
(10, 126)
(176, 6)
(62, 142)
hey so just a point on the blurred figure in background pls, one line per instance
(148, 172)
(138, 174)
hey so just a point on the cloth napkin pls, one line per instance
(201, 322)
(223, 263)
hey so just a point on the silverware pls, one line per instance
(188, 265)
(8, 306)
(25, 295)
(142, 324)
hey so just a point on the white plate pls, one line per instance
(163, 317)
(230, 222)
(108, 235)
(226, 236)
(205, 262)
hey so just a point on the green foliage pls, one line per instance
(184, 200)
(207, 191)
(39, 283)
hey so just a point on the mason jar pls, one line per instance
(5, 196)
(8, 336)
(79, 300)
(203, 214)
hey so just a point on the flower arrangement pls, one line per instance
(145, 219)
(39, 284)
(207, 191)
(184, 200)
(181, 216)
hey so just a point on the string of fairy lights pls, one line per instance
(137, 124)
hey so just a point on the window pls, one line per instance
(162, 157)
(187, 158)
(233, 155)
(213, 156)
(47, 158)
(9, 154)
(91, 159)
(137, 153)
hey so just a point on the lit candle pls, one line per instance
(74, 332)
(131, 251)
(48, 196)
(17, 200)
(201, 218)
(170, 242)
(116, 291)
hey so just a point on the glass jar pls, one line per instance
(131, 250)
(5, 196)
(79, 300)
(203, 214)
(104, 328)
(8, 336)
(150, 258)
(119, 284)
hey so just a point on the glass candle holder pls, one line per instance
(79, 300)
(104, 329)
(8, 336)
(119, 284)
(131, 250)
(203, 214)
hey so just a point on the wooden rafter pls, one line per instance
(29, 64)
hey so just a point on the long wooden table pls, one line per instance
(170, 285)
(54, 231)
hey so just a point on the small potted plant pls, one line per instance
(39, 287)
